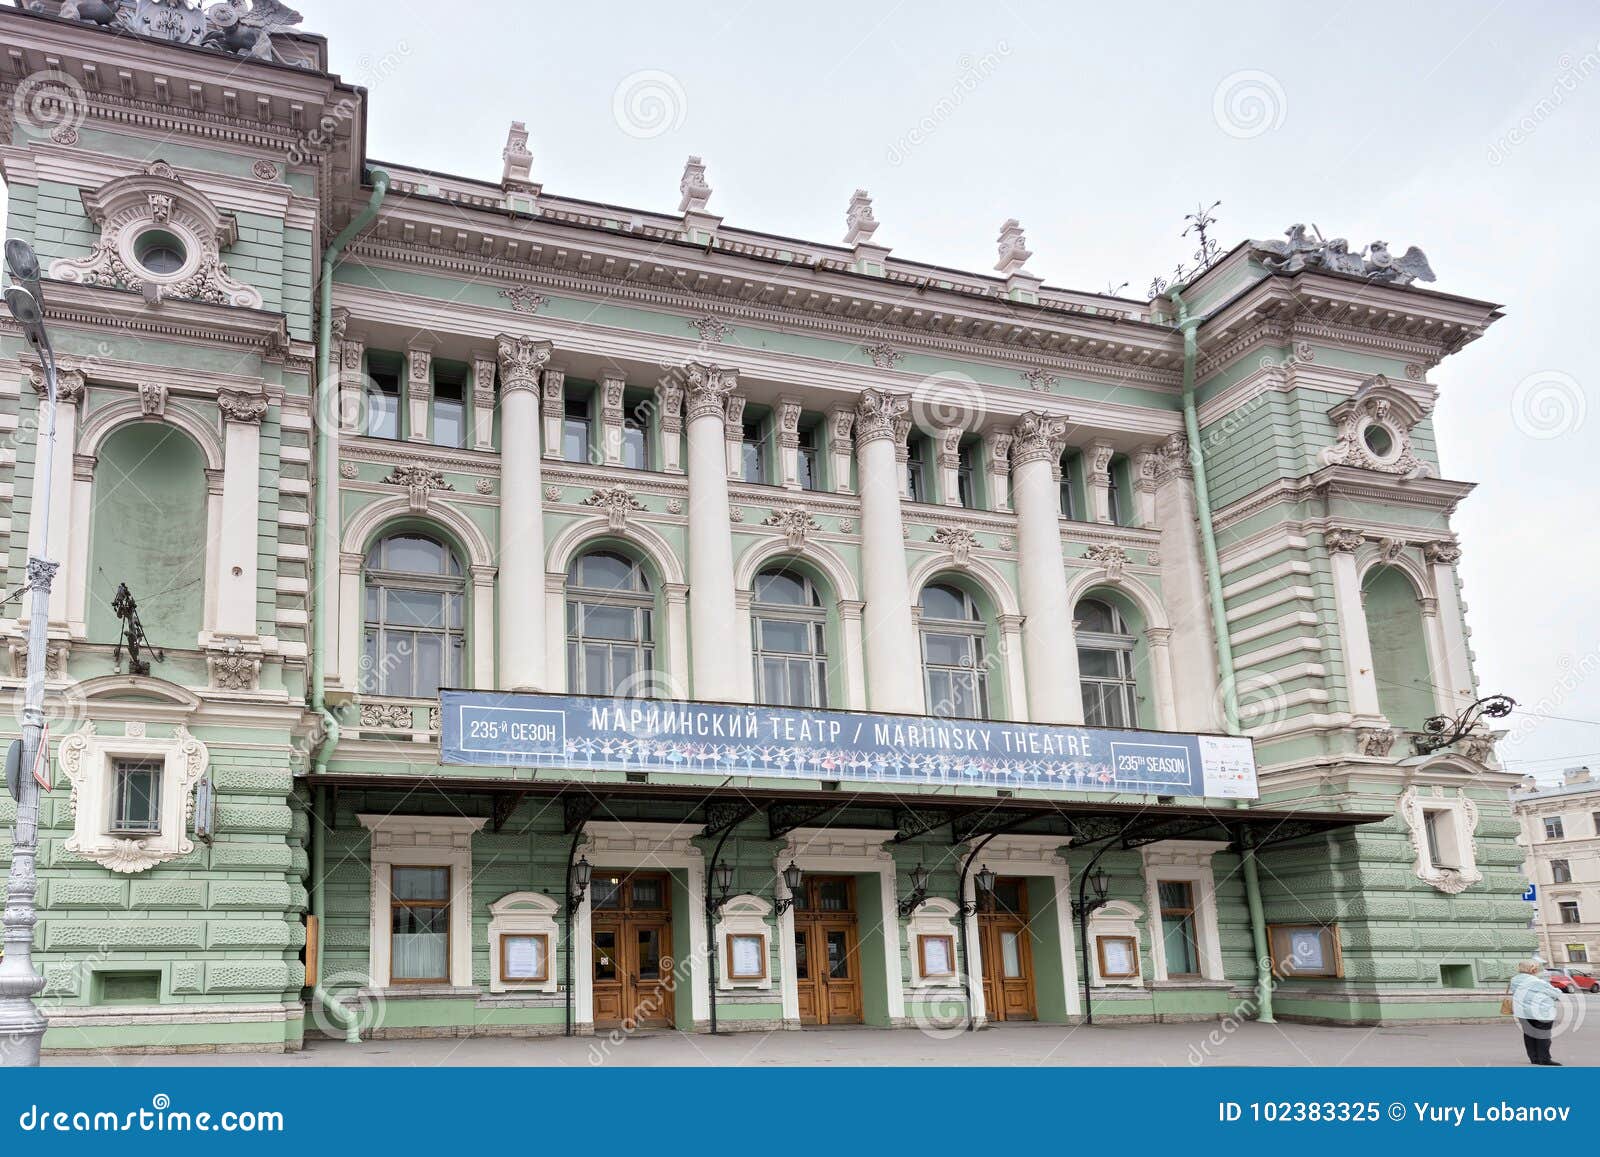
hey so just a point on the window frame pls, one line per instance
(1561, 871)
(1190, 915)
(456, 394)
(633, 424)
(1554, 829)
(1566, 908)
(813, 613)
(640, 601)
(572, 421)
(120, 766)
(430, 905)
(976, 631)
(808, 460)
(1125, 686)
(753, 454)
(452, 584)
(388, 385)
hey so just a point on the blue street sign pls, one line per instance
(1531, 894)
(506, 729)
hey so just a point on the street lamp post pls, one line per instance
(22, 1025)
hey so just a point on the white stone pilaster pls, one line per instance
(69, 392)
(419, 390)
(612, 385)
(789, 443)
(1016, 668)
(997, 453)
(1097, 468)
(713, 618)
(855, 672)
(555, 631)
(1455, 675)
(241, 513)
(483, 592)
(733, 433)
(948, 455)
(553, 405)
(1183, 589)
(669, 404)
(1359, 675)
(894, 667)
(483, 368)
(677, 596)
(521, 524)
(1048, 645)
(841, 448)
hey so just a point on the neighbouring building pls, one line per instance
(1560, 834)
(529, 444)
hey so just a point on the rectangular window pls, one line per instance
(1178, 928)
(1560, 872)
(916, 473)
(966, 491)
(449, 408)
(383, 403)
(1305, 950)
(1438, 827)
(1569, 912)
(1069, 497)
(810, 478)
(419, 923)
(753, 454)
(635, 444)
(1577, 953)
(136, 797)
(1553, 829)
(575, 431)
(1595, 816)
(1114, 497)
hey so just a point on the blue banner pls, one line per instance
(506, 729)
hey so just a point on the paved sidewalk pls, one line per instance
(1177, 1045)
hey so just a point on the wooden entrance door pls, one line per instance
(1007, 956)
(631, 926)
(827, 951)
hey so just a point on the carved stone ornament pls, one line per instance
(1012, 247)
(1390, 549)
(127, 209)
(1112, 557)
(241, 406)
(879, 414)
(1343, 540)
(847, 526)
(618, 502)
(1172, 459)
(859, 223)
(349, 470)
(1309, 251)
(524, 298)
(420, 481)
(237, 27)
(387, 715)
(70, 383)
(1037, 437)
(1442, 553)
(1462, 814)
(674, 506)
(88, 761)
(795, 523)
(265, 170)
(55, 659)
(521, 360)
(958, 540)
(153, 399)
(695, 193)
(1375, 426)
(484, 486)
(711, 328)
(552, 493)
(1040, 379)
(233, 667)
(708, 389)
(1375, 742)
(883, 355)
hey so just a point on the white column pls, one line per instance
(1183, 589)
(522, 637)
(669, 403)
(69, 390)
(419, 391)
(241, 515)
(855, 672)
(1099, 478)
(1359, 676)
(978, 1006)
(894, 665)
(1455, 675)
(1042, 578)
(554, 407)
(997, 450)
(611, 389)
(841, 423)
(713, 618)
(78, 579)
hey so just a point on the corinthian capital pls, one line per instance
(242, 406)
(880, 414)
(1037, 438)
(708, 389)
(521, 359)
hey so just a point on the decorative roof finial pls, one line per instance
(696, 193)
(1014, 251)
(518, 171)
(859, 222)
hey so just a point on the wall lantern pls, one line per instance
(919, 892)
(793, 881)
(582, 873)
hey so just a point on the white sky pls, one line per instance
(1099, 127)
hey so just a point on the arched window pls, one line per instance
(414, 613)
(789, 629)
(1105, 666)
(610, 627)
(953, 669)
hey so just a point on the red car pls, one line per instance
(1569, 979)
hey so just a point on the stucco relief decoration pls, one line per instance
(153, 399)
(1462, 814)
(552, 494)
(521, 359)
(1040, 379)
(1172, 459)
(883, 355)
(711, 328)
(1442, 553)
(618, 502)
(391, 715)
(86, 758)
(1308, 250)
(420, 481)
(1374, 431)
(242, 406)
(484, 486)
(1375, 742)
(153, 207)
(234, 667)
(708, 389)
(795, 523)
(1037, 437)
(349, 470)
(524, 298)
(1343, 540)
(958, 540)
(879, 414)
(1113, 558)
(239, 27)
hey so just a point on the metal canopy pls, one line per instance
(902, 817)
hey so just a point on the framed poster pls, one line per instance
(1305, 950)
(936, 955)
(1118, 957)
(525, 959)
(747, 956)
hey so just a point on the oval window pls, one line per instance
(1379, 441)
(159, 252)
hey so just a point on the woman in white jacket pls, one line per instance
(1533, 1003)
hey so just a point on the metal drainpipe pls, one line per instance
(1187, 326)
(325, 525)
(571, 909)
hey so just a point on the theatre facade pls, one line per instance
(556, 617)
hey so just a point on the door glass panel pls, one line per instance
(608, 893)
(649, 941)
(802, 970)
(605, 955)
(647, 894)
(1011, 952)
(833, 895)
(838, 955)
